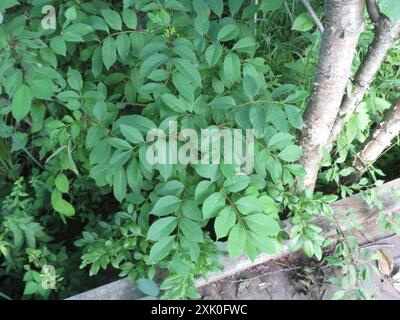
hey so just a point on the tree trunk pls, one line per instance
(380, 139)
(385, 35)
(343, 24)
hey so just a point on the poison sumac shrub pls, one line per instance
(76, 104)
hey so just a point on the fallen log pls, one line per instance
(353, 209)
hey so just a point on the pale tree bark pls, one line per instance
(343, 25)
(386, 33)
(379, 141)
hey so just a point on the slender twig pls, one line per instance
(313, 15)
(376, 243)
(268, 273)
(255, 17)
(373, 11)
(377, 246)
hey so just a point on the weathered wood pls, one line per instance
(118, 290)
(353, 209)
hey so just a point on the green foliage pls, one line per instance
(303, 22)
(390, 8)
(77, 103)
(99, 82)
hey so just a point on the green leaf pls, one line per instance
(134, 176)
(232, 67)
(31, 287)
(123, 43)
(119, 144)
(280, 140)
(112, 18)
(262, 224)
(21, 103)
(97, 62)
(270, 206)
(201, 25)
(183, 86)
(191, 230)
(271, 5)
(120, 157)
(391, 9)
(42, 89)
(294, 116)
(57, 44)
(139, 122)
(5, 4)
(245, 45)
(120, 184)
(130, 18)
(74, 80)
(346, 171)
(132, 134)
(308, 248)
(213, 54)
(176, 104)
(70, 13)
(109, 52)
(218, 85)
(185, 51)
(74, 32)
(128, 3)
(277, 117)
(249, 204)
(236, 183)
(162, 228)
(303, 22)
(68, 95)
(264, 243)
(228, 32)
(188, 70)
(290, 153)
(70, 163)
(60, 205)
(258, 120)
(234, 6)
(62, 183)
(203, 190)
(191, 210)
(166, 205)
(148, 287)
(212, 205)
(217, 6)
(224, 222)
(170, 188)
(152, 63)
(250, 86)
(223, 103)
(100, 111)
(201, 8)
(161, 249)
(237, 240)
